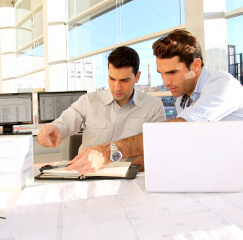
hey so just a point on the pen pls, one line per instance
(61, 166)
(48, 167)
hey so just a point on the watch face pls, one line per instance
(116, 156)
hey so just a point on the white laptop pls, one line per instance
(193, 156)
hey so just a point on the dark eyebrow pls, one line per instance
(172, 71)
(119, 79)
(124, 79)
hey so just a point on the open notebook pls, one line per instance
(112, 170)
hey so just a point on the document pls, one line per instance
(121, 209)
(89, 210)
(113, 169)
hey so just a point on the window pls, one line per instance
(233, 4)
(30, 59)
(29, 44)
(119, 23)
(235, 47)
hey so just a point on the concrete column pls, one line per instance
(1, 85)
(205, 19)
(194, 21)
(45, 32)
(215, 31)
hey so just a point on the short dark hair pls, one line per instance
(179, 43)
(124, 57)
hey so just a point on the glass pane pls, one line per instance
(81, 74)
(7, 40)
(112, 26)
(29, 82)
(24, 33)
(22, 9)
(30, 59)
(233, 4)
(58, 77)
(38, 24)
(8, 69)
(150, 80)
(235, 33)
(76, 6)
(151, 16)
(9, 86)
(30, 29)
(235, 47)
(6, 17)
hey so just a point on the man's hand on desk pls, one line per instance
(91, 159)
(49, 136)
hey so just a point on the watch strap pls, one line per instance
(113, 146)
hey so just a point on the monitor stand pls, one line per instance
(9, 130)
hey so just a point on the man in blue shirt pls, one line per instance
(201, 95)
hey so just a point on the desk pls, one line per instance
(121, 209)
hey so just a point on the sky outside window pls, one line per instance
(132, 20)
(233, 4)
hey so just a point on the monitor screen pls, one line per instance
(52, 104)
(15, 109)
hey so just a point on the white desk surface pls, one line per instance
(117, 209)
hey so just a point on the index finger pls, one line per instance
(44, 136)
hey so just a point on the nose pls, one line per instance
(117, 86)
(166, 80)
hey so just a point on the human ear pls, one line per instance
(196, 64)
(137, 77)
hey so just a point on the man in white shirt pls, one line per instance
(109, 115)
(201, 96)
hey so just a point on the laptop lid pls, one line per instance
(193, 156)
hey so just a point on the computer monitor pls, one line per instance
(52, 104)
(15, 109)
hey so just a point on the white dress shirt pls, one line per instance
(217, 97)
(104, 120)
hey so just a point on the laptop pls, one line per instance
(193, 156)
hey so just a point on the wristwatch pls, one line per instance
(116, 155)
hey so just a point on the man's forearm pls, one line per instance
(131, 147)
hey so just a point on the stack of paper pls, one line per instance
(16, 161)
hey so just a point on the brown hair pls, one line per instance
(124, 57)
(179, 43)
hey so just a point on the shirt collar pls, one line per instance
(201, 80)
(136, 99)
(130, 101)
